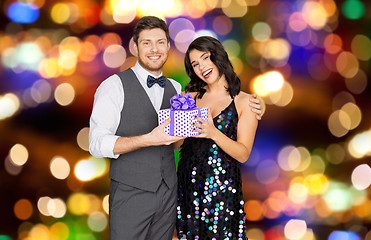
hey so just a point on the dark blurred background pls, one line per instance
(309, 174)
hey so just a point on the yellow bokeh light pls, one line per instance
(195, 8)
(70, 43)
(316, 166)
(314, 14)
(64, 94)
(277, 49)
(354, 114)
(124, 13)
(39, 231)
(347, 64)
(336, 126)
(237, 65)
(235, 8)
(67, 59)
(18, 154)
(105, 204)
(283, 96)
(9, 105)
(60, 13)
(56, 207)
(266, 83)
(42, 205)
(78, 203)
(295, 229)
(254, 233)
(87, 170)
(83, 139)
(49, 68)
(60, 231)
(360, 145)
(316, 184)
(59, 167)
(298, 193)
(84, 170)
(361, 47)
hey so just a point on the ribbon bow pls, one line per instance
(152, 80)
(182, 102)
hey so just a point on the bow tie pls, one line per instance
(160, 81)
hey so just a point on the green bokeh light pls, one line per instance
(353, 9)
(5, 237)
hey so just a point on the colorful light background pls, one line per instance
(309, 174)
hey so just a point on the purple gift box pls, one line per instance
(182, 113)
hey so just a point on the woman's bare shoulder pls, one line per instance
(193, 94)
(243, 97)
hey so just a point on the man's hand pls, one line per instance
(256, 106)
(159, 137)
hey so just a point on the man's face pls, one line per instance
(152, 50)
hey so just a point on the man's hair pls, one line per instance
(149, 22)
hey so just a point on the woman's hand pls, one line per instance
(206, 127)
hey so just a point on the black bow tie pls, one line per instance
(160, 81)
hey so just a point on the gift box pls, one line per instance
(182, 113)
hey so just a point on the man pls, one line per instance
(123, 127)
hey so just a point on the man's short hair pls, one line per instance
(149, 22)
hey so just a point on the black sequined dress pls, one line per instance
(210, 201)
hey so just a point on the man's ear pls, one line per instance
(135, 48)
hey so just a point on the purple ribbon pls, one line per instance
(181, 103)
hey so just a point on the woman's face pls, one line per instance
(202, 65)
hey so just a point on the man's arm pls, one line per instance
(105, 117)
(155, 138)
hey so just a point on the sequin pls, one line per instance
(210, 201)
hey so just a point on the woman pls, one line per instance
(210, 201)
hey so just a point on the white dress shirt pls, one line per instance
(107, 107)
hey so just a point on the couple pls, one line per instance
(143, 202)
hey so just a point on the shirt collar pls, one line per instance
(143, 73)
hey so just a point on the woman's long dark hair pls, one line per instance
(219, 57)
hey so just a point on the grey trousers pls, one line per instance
(135, 214)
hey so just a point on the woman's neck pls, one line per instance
(218, 86)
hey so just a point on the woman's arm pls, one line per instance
(247, 125)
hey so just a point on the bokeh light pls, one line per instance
(59, 167)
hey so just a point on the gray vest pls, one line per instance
(143, 168)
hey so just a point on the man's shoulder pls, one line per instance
(114, 79)
(176, 84)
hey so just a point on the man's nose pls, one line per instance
(154, 48)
